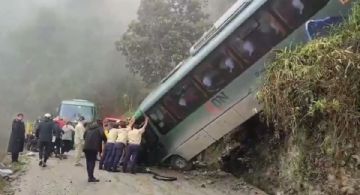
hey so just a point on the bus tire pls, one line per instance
(179, 163)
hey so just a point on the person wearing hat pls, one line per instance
(17, 137)
(79, 140)
(134, 140)
(44, 133)
(120, 144)
(109, 151)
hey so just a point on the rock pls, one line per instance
(203, 185)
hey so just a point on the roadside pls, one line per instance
(17, 169)
(61, 177)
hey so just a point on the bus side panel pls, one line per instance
(195, 145)
(248, 107)
(224, 124)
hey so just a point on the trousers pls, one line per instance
(90, 156)
(117, 152)
(109, 156)
(131, 155)
(78, 152)
(44, 150)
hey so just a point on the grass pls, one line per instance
(312, 97)
(15, 167)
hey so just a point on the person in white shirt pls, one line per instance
(79, 140)
(67, 138)
(109, 147)
(120, 144)
(133, 148)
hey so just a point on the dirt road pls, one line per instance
(61, 177)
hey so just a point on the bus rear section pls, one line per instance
(197, 111)
(71, 110)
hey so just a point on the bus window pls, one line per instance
(260, 40)
(161, 119)
(296, 12)
(217, 71)
(183, 99)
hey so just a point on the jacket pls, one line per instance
(17, 137)
(79, 133)
(45, 130)
(93, 138)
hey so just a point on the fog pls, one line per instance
(60, 49)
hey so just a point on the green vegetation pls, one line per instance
(311, 96)
(161, 37)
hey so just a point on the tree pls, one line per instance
(217, 8)
(161, 36)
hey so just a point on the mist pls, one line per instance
(53, 50)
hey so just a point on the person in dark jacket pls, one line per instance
(44, 133)
(17, 138)
(93, 137)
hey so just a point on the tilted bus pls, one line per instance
(214, 90)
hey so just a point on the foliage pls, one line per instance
(312, 97)
(161, 36)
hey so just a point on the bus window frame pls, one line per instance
(162, 109)
(190, 79)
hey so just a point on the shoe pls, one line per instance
(40, 163)
(115, 171)
(44, 164)
(93, 180)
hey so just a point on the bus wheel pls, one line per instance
(179, 163)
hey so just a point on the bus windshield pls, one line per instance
(73, 112)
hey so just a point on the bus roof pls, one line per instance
(78, 102)
(238, 17)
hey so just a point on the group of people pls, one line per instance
(112, 142)
(121, 140)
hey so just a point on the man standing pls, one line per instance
(79, 140)
(17, 138)
(44, 133)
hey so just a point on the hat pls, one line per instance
(47, 115)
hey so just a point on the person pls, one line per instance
(68, 130)
(102, 157)
(17, 137)
(58, 132)
(101, 127)
(109, 147)
(44, 133)
(119, 146)
(92, 140)
(79, 140)
(133, 148)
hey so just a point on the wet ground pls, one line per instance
(62, 177)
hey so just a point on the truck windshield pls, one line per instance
(73, 112)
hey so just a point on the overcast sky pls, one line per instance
(42, 42)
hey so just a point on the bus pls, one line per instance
(214, 90)
(71, 110)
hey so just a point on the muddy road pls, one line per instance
(61, 177)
